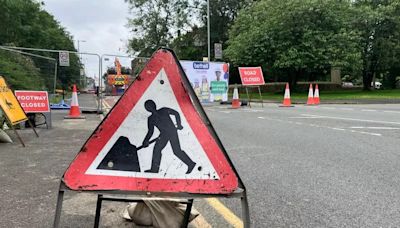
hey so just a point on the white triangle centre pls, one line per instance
(135, 128)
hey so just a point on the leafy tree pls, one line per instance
(24, 23)
(378, 22)
(296, 38)
(155, 23)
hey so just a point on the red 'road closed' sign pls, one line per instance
(155, 139)
(33, 101)
(251, 76)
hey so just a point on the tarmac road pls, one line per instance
(307, 166)
(316, 166)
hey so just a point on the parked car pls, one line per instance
(378, 85)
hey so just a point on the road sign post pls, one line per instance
(12, 109)
(125, 156)
(252, 77)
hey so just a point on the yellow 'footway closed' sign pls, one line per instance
(10, 105)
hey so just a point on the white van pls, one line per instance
(378, 85)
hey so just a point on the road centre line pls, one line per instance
(352, 119)
(377, 128)
(319, 126)
(388, 111)
(368, 110)
(227, 214)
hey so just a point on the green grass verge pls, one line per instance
(331, 95)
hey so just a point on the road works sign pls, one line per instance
(9, 103)
(251, 76)
(33, 101)
(157, 138)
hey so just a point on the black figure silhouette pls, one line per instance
(161, 119)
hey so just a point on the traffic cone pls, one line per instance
(74, 111)
(310, 100)
(235, 99)
(316, 95)
(286, 98)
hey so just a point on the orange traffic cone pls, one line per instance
(235, 99)
(286, 98)
(310, 100)
(316, 95)
(74, 112)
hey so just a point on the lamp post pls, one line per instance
(208, 31)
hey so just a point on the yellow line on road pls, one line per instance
(228, 215)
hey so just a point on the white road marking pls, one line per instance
(368, 110)
(303, 117)
(352, 119)
(392, 111)
(338, 129)
(367, 133)
(328, 107)
(377, 128)
(320, 126)
(347, 109)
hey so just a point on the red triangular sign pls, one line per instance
(154, 140)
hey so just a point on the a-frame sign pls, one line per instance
(156, 140)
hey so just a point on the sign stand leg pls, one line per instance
(60, 199)
(248, 97)
(262, 102)
(98, 211)
(33, 128)
(245, 211)
(186, 218)
(18, 136)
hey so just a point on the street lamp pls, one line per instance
(208, 30)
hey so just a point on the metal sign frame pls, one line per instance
(12, 125)
(239, 193)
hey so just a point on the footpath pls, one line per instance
(30, 177)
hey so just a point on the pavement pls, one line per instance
(306, 166)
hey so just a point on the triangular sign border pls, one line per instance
(76, 179)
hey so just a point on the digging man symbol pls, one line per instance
(161, 118)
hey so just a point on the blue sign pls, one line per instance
(201, 65)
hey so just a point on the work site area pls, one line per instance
(199, 114)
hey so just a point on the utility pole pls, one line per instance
(208, 31)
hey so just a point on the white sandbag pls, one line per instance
(4, 138)
(159, 213)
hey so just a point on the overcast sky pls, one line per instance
(101, 23)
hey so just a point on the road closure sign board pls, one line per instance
(155, 139)
(251, 76)
(33, 101)
(10, 105)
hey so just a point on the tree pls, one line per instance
(296, 38)
(378, 23)
(24, 23)
(155, 23)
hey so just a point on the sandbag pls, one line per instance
(159, 213)
(4, 138)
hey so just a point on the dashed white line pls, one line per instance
(392, 111)
(368, 110)
(352, 119)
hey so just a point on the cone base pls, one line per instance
(286, 106)
(74, 117)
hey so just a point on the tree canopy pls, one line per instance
(25, 23)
